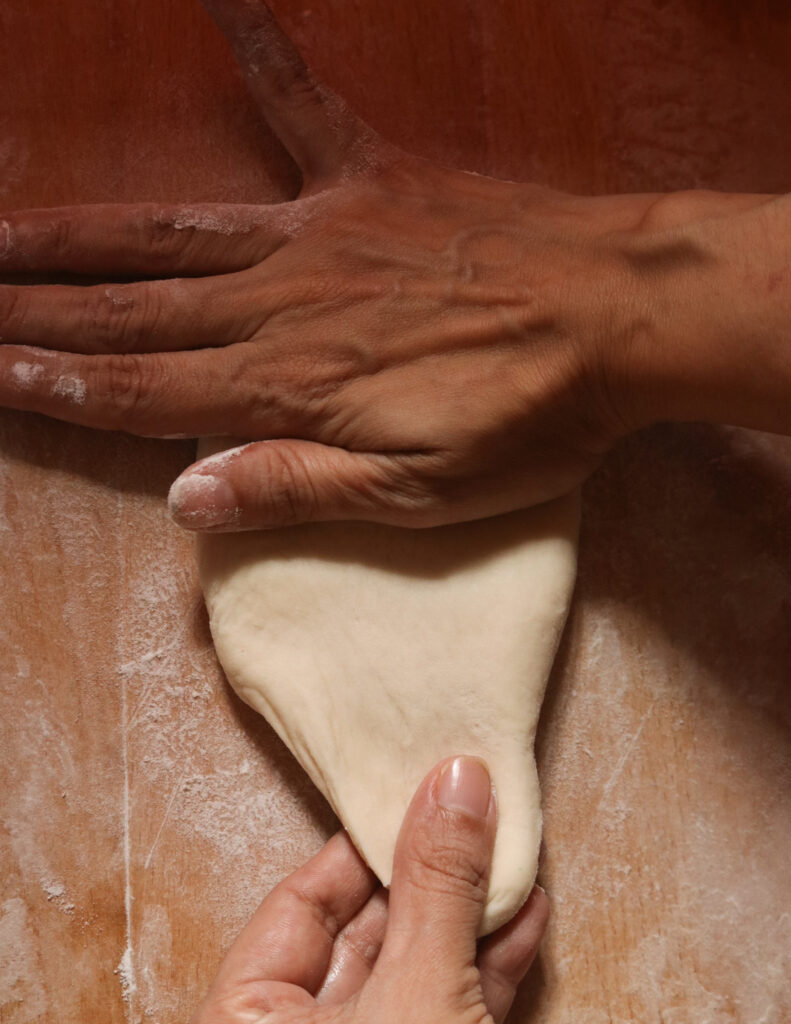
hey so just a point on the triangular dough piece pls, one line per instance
(376, 652)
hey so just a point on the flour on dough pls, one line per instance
(376, 652)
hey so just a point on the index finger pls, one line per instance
(290, 937)
(159, 394)
(314, 124)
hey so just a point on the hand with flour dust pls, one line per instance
(328, 945)
(404, 342)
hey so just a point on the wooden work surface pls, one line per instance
(144, 810)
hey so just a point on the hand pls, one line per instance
(412, 344)
(328, 945)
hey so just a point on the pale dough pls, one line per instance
(376, 652)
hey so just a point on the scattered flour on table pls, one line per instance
(203, 801)
(56, 893)
(203, 777)
(198, 778)
(21, 990)
(710, 893)
(126, 973)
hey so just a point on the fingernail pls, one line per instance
(199, 501)
(464, 785)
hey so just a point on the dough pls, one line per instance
(376, 652)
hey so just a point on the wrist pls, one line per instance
(712, 340)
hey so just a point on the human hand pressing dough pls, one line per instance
(415, 345)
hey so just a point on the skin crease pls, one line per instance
(409, 344)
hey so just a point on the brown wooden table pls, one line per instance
(144, 810)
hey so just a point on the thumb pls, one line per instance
(441, 873)
(268, 484)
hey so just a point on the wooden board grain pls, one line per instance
(144, 810)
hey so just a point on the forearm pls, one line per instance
(715, 341)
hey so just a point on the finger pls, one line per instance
(156, 395)
(315, 125)
(355, 952)
(148, 316)
(504, 958)
(441, 876)
(290, 938)
(267, 484)
(144, 240)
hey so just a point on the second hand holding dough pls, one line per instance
(403, 343)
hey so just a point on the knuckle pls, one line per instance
(273, 399)
(165, 234)
(364, 948)
(114, 320)
(291, 79)
(121, 381)
(11, 310)
(669, 209)
(467, 1002)
(9, 230)
(247, 1000)
(440, 866)
(501, 982)
(61, 238)
(363, 944)
(307, 899)
(286, 490)
(413, 491)
(324, 918)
